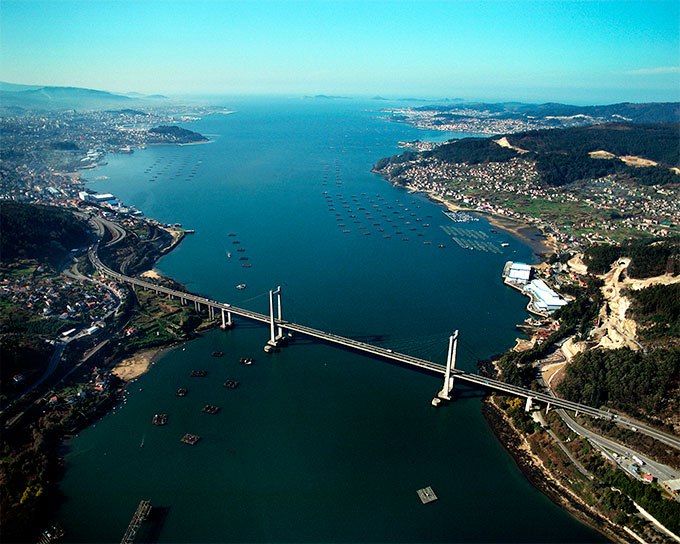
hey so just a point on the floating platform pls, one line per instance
(231, 384)
(217, 354)
(160, 419)
(199, 373)
(426, 495)
(181, 392)
(210, 409)
(190, 439)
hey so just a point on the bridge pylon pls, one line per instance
(276, 337)
(445, 393)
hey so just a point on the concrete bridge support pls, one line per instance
(529, 403)
(445, 393)
(226, 320)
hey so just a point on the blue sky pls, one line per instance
(580, 52)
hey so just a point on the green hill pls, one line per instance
(44, 233)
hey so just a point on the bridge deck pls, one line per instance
(380, 351)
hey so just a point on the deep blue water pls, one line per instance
(318, 444)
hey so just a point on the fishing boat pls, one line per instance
(241, 286)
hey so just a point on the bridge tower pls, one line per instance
(275, 333)
(445, 393)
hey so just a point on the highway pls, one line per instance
(391, 355)
(118, 233)
(662, 472)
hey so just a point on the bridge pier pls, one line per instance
(529, 403)
(211, 313)
(226, 323)
(447, 387)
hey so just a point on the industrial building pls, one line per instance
(517, 272)
(543, 297)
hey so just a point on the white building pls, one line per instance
(544, 298)
(519, 273)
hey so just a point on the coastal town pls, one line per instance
(505, 118)
(603, 210)
(45, 153)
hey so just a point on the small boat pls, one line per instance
(504, 244)
(241, 286)
(228, 255)
(158, 419)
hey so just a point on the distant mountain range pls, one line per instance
(16, 98)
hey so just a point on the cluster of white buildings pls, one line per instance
(544, 300)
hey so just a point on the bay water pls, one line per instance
(317, 444)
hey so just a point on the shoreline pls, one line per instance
(139, 363)
(532, 468)
(541, 244)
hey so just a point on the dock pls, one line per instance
(426, 495)
(138, 518)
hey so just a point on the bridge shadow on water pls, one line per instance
(466, 391)
(150, 530)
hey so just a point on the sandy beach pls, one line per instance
(132, 367)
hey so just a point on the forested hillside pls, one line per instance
(562, 155)
(643, 385)
(649, 257)
(44, 233)
(657, 142)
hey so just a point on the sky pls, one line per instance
(571, 51)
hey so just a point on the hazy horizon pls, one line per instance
(542, 51)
